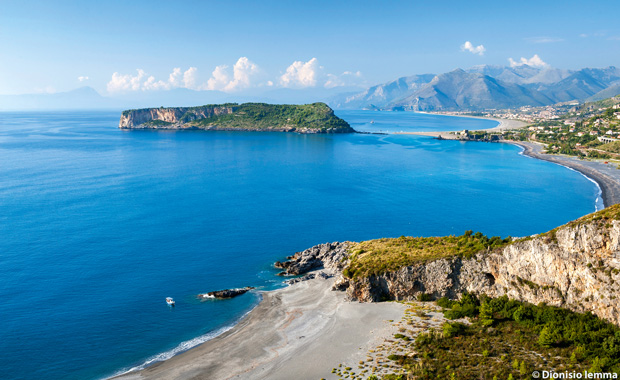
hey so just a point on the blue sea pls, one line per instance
(98, 225)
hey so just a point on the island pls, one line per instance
(306, 118)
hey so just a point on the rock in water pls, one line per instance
(226, 293)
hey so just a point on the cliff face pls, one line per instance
(309, 118)
(177, 117)
(576, 266)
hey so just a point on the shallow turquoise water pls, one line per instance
(99, 225)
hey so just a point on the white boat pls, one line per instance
(169, 301)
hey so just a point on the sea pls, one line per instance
(99, 225)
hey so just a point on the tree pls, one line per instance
(485, 314)
(523, 369)
(547, 337)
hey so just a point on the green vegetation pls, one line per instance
(379, 256)
(158, 123)
(316, 117)
(579, 131)
(261, 116)
(510, 339)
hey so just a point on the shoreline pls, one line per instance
(303, 328)
(607, 178)
(503, 125)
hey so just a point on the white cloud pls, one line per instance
(83, 78)
(348, 78)
(544, 40)
(176, 79)
(468, 46)
(126, 82)
(535, 61)
(243, 72)
(301, 74)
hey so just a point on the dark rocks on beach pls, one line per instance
(226, 293)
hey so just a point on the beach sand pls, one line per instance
(504, 124)
(607, 176)
(298, 332)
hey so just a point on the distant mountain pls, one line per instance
(474, 91)
(485, 87)
(81, 98)
(88, 98)
(380, 95)
(609, 92)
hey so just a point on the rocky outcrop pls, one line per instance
(226, 293)
(330, 256)
(576, 266)
(307, 118)
(170, 118)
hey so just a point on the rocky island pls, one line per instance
(307, 118)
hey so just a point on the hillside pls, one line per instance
(309, 118)
(575, 266)
(486, 87)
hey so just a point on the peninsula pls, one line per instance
(504, 308)
(307, 118)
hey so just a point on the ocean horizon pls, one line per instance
(99, 225)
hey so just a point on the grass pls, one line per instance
(374, 257)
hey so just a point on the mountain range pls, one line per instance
(486, 87)
(477, 88)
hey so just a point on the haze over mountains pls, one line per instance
(486, 87)
(477, 88)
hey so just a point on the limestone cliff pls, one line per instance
(308, 118)
(576, 266)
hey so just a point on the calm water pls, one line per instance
(98, 225)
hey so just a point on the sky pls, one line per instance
(120, 47)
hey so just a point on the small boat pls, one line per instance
(372, 122)
(169, 301)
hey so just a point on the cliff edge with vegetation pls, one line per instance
(575, 266)
(307, 118)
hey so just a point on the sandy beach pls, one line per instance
(504, 124)
(298, 332)
(607, 176)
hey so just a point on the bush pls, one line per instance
(453, 329)
(445, 302)
(423, 297)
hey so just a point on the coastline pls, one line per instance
(305, 328)
(605, 176)
(504, 124)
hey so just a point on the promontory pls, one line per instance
(307, 118)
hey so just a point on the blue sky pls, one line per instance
(245, 46)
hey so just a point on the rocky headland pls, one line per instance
(307, 118)
(575, 266)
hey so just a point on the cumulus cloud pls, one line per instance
(243, 72)
(468, 46)
(347, 78)
(535, 61)
(301, 74)
(141, 81)
(126, 82)
(83, 78)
